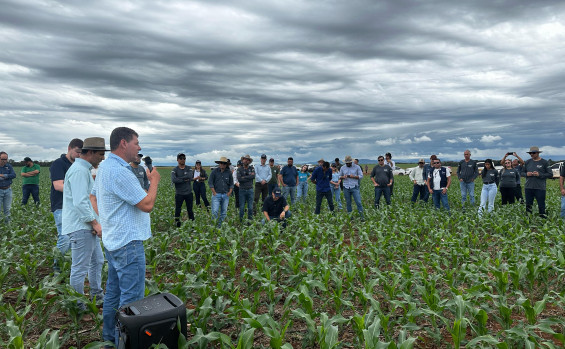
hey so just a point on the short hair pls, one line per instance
(326, 164)
(120, 133)
(290, 158)
(433, 157)
(3, 152)
(389, 155)
(76, 143)
(380, 156)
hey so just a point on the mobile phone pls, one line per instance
(510, 153)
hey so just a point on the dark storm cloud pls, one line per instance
(305, 78)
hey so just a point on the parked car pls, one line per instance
(481, 165)
(555, 169)
(397, 171)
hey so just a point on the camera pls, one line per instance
(510, 153)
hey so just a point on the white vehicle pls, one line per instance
(397, 171)
(555, 169)
(481, 165)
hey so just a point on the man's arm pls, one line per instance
(283, 213)
(174, 177)
(148, 202)
(561, 180)
(94, 203)
(59, 185)
(266, 216)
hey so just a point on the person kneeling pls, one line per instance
(275, 208)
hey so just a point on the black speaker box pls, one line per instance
(151, 320)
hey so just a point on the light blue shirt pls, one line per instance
(263, 173)
(117, 191)
(77, 209)
(354, 170)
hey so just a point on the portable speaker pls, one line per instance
(151, 320)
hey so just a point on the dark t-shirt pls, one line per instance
(57, 172)
(289, 174)
(272, 207)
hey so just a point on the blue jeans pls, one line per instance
(28, 189)
(302, 190)
(488, 194)
(467, 188)
(563, 207)
(6, 202)
(289, 190)
(348, 193)
(87, 259)
(245, 197)
(438, 196)
(336, 193)
(220, 201)
(126, 284)
(272, 187)
(380, 190)
(63, 241)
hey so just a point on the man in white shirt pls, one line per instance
(417, 178)
(438, 182)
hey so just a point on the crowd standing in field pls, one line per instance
(115, 206)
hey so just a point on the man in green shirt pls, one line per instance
(30, 181)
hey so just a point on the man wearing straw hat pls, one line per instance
(80, 221)
(536, 170)
(221, 185)
(246, 178)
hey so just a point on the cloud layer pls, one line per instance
(309, 79)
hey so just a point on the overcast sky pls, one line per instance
(307, 79)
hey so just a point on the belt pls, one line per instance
(4, 188)
(488, 182)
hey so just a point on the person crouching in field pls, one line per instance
(276, 208)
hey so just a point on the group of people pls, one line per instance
(436, 180)
(111, 204)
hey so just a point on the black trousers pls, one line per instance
(200, 192)
(421, 190)
(539, 195)
(319, 196)
(507, 194)
(179, 199)
(260, 190)
(518, 193)
(236, 194)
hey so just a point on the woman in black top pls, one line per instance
(490, 182)
(508, 178)
(199, 185)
